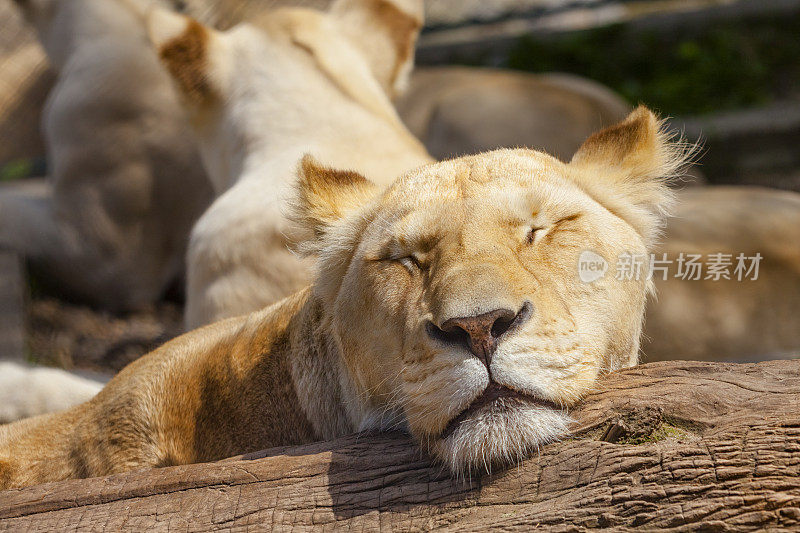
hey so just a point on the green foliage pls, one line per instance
(21, 169)
(15, 170)
(728, 65)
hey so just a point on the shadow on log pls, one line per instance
(683, 445)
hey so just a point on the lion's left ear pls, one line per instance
(627, 168)
(385, 32)
(325, 196)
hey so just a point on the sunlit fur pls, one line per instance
(458, 238)
(499, 437)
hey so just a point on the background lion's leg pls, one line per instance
(228, 274)
(26, 217)
(89, 263)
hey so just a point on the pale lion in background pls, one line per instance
(27, 391)
(110, 224)
(290, 81)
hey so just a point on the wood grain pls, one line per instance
(697, 446)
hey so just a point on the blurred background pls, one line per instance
(725, 72)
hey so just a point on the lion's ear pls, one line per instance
(192, 53)
(627, 168)
(385, 32)
(325, 195)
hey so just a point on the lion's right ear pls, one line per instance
(192, 53)
(325, 196)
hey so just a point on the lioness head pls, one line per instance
(454, 296)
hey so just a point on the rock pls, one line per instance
(694, 447)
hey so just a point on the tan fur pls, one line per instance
(637, 161)
(185, 58)
(326, 195)
(358, 350)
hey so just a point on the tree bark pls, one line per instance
(678, 445)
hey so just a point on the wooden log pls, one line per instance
(11, 302)
(680, 446)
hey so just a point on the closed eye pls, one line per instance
(533, 233)
(410, 262)
(537, 232)
(570, 218)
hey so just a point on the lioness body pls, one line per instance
(212, 393)
(448, 305)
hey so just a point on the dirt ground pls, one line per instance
(74, 336)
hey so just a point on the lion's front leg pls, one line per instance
(40, 450)
(112, 433)
(238, 259)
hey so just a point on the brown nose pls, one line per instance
(480, 333)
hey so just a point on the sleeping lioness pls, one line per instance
(450, 305)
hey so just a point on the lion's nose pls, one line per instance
(480, 333)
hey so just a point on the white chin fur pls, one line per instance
(499, 436)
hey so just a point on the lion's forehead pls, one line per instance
(475, 208)
(503, 181)
(473, 175)
(429, 210)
